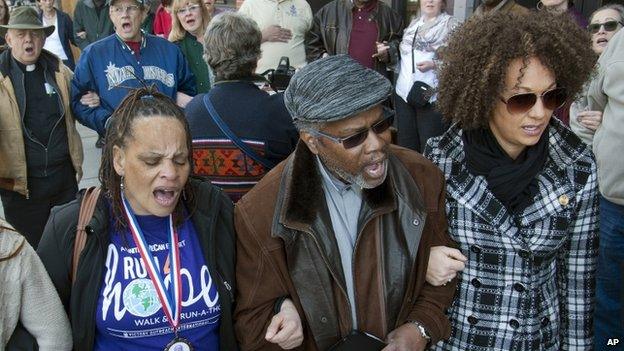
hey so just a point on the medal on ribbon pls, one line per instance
(171, 301)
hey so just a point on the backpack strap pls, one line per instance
(87, 207)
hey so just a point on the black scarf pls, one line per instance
(513, 182)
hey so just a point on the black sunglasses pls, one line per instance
(609, 26)
(359, 137)
(521, 103)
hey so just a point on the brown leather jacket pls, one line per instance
(286, 247)
(331, 31)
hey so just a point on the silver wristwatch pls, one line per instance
(422, 330)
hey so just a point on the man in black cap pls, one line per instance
(40, 148)
(337, 237)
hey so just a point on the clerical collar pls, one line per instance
(26, 68)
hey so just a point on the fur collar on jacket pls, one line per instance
(302, 190)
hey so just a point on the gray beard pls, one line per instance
(357, 179)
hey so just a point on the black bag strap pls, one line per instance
(413, 45)
(236, 140)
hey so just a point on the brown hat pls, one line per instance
(25, 17)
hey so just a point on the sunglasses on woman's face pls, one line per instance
(609, 26)
(521, 103)
(358, 138)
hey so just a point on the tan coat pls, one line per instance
(13, 175)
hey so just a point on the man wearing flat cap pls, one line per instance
(40, 148)
(336, 238)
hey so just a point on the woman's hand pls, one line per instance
(444, 263)
(425, 66)
(285, 328)
(91, 99)
(590, 119)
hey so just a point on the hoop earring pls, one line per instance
(540, 5)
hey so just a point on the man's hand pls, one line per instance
(425, 66)
(90, 99)
(590, 119)
(405, 338)
(82, 35)
(285, 328)
(276, 33)
(444, 263)
(382, 51)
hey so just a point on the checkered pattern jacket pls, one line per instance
(529, 280)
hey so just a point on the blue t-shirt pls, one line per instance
(129, 315)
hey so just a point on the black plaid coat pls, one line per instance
(529, 280)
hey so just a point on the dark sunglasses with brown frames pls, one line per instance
(521, 103)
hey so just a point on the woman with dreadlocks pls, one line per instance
(521, 188)
(157, 268)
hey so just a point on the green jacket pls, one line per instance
(193, 51)
(86, 19)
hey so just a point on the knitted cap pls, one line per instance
(334, 88)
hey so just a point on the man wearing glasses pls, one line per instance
(124, 60)
(336, 238)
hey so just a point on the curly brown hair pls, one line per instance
(144, 102)
(478, 54)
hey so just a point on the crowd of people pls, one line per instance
(434, 186)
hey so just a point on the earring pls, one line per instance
(121, 184)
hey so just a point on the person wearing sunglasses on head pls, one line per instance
(604, 23)
(606, 93)
(333, 242)
(521, 187)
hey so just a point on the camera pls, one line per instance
(280, 77)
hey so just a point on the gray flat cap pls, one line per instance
(334, 88)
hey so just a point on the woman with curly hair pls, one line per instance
(521, 188)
